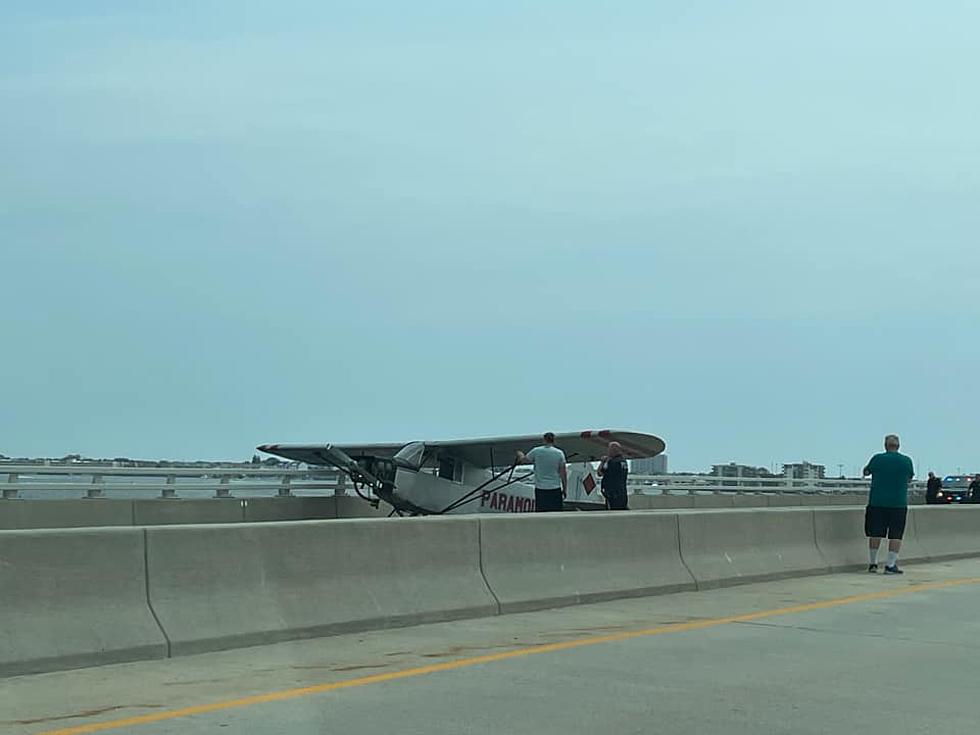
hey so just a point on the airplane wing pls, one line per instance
(318, 454)
(580, 446)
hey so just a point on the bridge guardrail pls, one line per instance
(223, 480)
(284, 481)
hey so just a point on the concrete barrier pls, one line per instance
(266, 510)
(224, 586)
(640, 502)
(815, 499)
(539, 561)
(740, 546)
(947, 531)
(715, 500)
(353, 507)
(74, 513)
(82, 597)
(667, 502)
(73, 598)
(749, 501)
(784, 501)
(839, 534)
(159, 511)
(845, 499)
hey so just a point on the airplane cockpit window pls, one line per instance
(450, 469)
(411, 456)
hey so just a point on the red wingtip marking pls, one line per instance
(604, 432)
(586, 434)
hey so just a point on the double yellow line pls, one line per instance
(361, 681)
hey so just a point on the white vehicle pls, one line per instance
(470, 475)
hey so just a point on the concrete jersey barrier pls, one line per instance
(547, 560)
(740, 546)
(217, 587)
(948, 531)
(73, 598)
(73, 513)
(83, 597)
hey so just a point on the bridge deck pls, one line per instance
(813, 655)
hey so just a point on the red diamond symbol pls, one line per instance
(589, 484)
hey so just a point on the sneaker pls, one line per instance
(893, 570)
(872, 568)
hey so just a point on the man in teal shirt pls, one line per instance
(888, 503)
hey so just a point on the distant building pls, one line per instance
(649, 465)
(804, 471)
(739, 471)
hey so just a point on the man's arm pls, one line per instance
(601, 470)
(563, 473)
(524, 458)
(867, 468)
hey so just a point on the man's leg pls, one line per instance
(546, 501)
(896, 531)
(873, 546)
(875, 530)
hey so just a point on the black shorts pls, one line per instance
(884, 522)
(547, 500)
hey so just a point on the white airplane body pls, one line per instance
(468, 476)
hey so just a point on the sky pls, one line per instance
(749, 228)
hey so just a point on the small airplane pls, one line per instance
(468, 475)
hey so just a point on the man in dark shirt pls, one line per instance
(614, 470)
(932, 489)
(975, 490)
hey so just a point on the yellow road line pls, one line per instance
(490, 658)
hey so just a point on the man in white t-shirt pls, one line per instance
(550, 474)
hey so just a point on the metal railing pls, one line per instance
(694, 484)
(92, 480)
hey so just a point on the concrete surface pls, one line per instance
(739, 546)
(159, 511)
(947, 531)
(79, 513)
(809, 656)
(222, 586)
(533, 562)
(23, 514)
(266, 510)
(73, 598)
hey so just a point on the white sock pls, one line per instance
(892, 558)
(873, 556)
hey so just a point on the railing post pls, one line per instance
(96, 488)
(224, 488)
(10, 492)
(169, 487)
(284, 489)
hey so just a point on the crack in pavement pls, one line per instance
(83, 714)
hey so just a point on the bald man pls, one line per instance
(614, 470)
(888, 503)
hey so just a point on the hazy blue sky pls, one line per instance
(750, 228)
